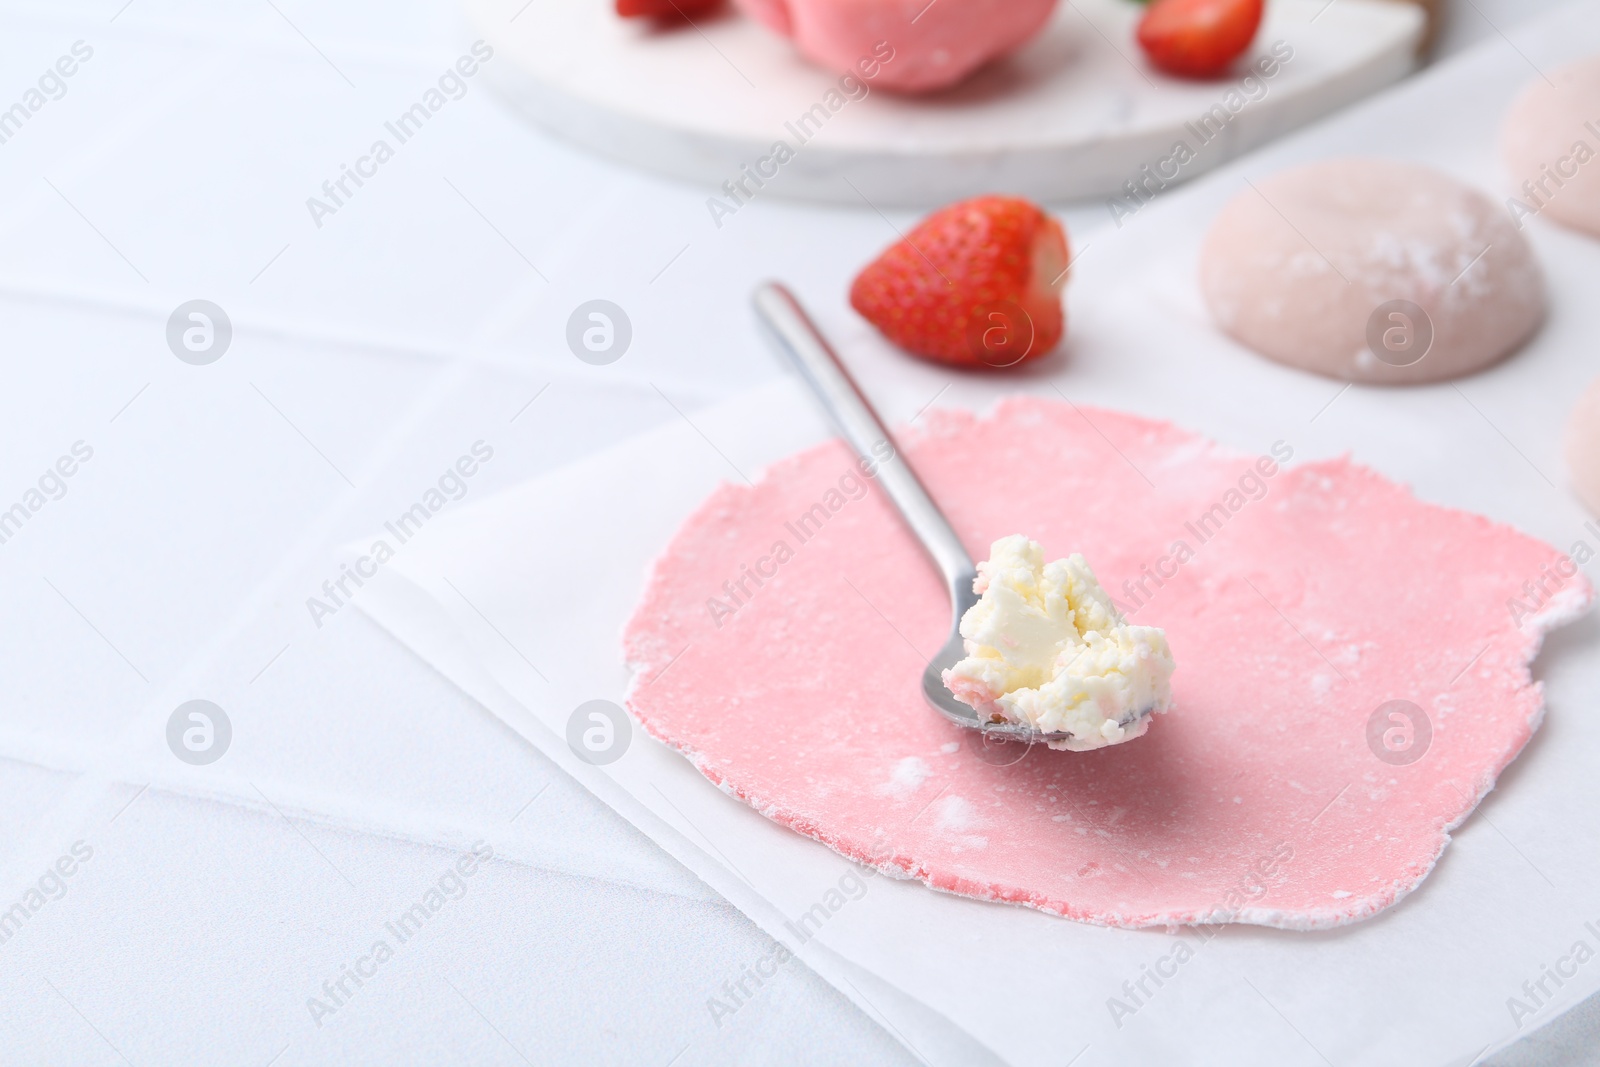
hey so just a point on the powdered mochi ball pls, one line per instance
(1583, 447)
(1551, 143)
(1323, 266)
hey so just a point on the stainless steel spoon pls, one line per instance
(836, 391)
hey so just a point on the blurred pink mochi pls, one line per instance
(910, 46)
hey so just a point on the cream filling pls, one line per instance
(1047, 649)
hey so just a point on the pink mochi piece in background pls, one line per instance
(914, 46)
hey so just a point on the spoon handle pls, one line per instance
(837, 392)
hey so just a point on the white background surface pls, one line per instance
(368, 355)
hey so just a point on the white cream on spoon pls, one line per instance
(1047, 649)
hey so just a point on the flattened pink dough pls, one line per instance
(805, 703)
(934, 45)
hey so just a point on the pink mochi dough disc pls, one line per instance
(781, 637)
(909, 46)
(1299, 266)
(1550, 140)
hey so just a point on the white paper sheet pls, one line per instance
(521, 600)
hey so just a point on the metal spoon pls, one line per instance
(836, 391)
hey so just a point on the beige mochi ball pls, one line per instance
(1583, 447)
(1550, 140)
(1371, 270)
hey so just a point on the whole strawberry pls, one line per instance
(975, 284)
(665, 9)
(1198, 38)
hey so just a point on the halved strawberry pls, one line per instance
(1198, 38)
(664, 9)
(977, 283)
